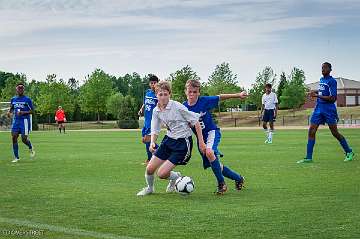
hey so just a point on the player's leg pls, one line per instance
(348, 151)
(146, 140)
(14, 136)
(151, 168)
(310, 144)
(26, 141)
(59, 126)
(179, 154)
(271, 124)
(63, 127)
(265, 120)
(212, 140)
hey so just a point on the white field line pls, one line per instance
(65, 230)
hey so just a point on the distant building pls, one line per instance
(348, 93)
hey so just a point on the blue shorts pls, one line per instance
(268, 116)
(212, 140)
(145, 131)
(177, 151)
(322, 115)
(21, 126)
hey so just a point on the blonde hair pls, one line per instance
(163, 85)
(193, 83)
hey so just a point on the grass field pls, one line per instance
(83, 185)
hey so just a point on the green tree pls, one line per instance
(136, 88)
(95, 92)
(264, 77)
(294, 93)
(128, 118)
(121, 84)
(282, 84)
(51, 94)
(222, 81)
(114, 103)
(9, 89)
(178, 81)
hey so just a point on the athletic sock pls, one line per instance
(345, 145)
(150, 181)
(216, 168)
(310, 148)
(16, 150)
(227, 172)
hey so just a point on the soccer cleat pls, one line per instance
(171, 186)
(221, 189)
(305, 160)
(240, 184)
(269, 141)
(266, 141)
(32, 153)
(145, 191)
(15, 160)
(349, 156)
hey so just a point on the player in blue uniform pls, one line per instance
(21, 107)
(211, 133)
(325, 112)
(150, 102)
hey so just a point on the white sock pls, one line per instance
(173, 175)
(149, 180)
(270, 135)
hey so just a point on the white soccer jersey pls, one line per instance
(176, 117)
(269, 100)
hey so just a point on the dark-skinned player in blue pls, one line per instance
(325, 112)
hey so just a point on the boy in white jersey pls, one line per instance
(269, 107)
(175, 148)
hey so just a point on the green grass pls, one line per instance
(88, 181)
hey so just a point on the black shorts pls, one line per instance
(61, 122)
(177, 151)
(268, 116)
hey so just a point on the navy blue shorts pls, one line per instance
(268, 116)
(177, 151)
(145, 131)
(322, 115)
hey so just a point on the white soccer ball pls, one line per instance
(184, 185)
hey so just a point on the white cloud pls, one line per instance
(196, 32)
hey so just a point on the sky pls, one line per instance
(72, 38)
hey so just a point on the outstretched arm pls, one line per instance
(241, 95)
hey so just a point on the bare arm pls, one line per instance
(152, 147)
(262, 109)
(241, 95)
(200, 137)
(141, 111)
(11, 109)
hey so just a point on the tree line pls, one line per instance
(103, 96)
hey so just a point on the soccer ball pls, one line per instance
(184, 185)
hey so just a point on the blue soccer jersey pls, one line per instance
(21, 123)
(150, 102)
(325, 111)
(203, 107)
(327, 87)
(21, 103)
